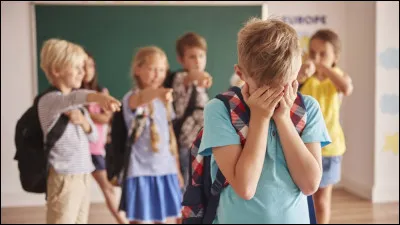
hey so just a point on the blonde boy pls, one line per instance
(70, 165)
(271, 174)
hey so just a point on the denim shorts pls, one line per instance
(99, 162)
(331, 170)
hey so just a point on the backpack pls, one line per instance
(201, 198)
(119, 150)
(115, 149)
(190, 108)
(32, 153)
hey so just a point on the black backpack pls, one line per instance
(191, 107)
(119, 150)
(115, 150)
(32, 153)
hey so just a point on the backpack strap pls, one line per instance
(59, 127)
(238, 110)
(298, 113)
(190, 108)
(55, 132)
(240, 115)
(240, 118)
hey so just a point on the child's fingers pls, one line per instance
(116, 102)
(295, 87)
(114, 107)
(245, 92)
(273, 93)
(276, 100)
(288, 93)
(260, 91)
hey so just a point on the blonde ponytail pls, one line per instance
(154, 135)
(173, 146)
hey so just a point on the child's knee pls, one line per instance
(321, 201)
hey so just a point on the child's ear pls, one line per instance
(136, 71)
(179, 59)
(336, 60)
(56, 72)
(238, 71)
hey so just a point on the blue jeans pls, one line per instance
(185, 162)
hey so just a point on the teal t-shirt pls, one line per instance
(277, 198)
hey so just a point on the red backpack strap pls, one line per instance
(239, 111)
(298, 113)
(196, 169)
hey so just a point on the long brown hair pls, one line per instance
(330, 36)
(94, 83)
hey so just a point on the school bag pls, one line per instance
(119, 150)
(190, 108)
(201, 198)
(32, 152)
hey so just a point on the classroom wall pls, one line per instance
(17, 46)
(17, 92)
(370, 169)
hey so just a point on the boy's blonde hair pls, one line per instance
(268, 51)
(57, 54)
(145, 55)
(190, 40)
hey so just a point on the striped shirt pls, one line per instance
(70, 154)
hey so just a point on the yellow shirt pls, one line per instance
(329, 100)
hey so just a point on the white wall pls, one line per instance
(335, 17)
(386, 185)
(371, 164)
(334, 13)
(358, 163)
(17, 92)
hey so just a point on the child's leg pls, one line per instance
(322, 198)
(109, 193)
(83, 215)
(63, 199)
(322, 202)
(184, 161)
(171, 220)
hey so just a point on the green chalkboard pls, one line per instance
(113, 34)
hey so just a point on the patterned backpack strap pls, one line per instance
(240, 116)
(298, 113)
(196, 169)
(238, 110)
(193, 202)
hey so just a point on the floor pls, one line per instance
(346, 209)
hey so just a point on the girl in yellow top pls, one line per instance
(322, 79)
